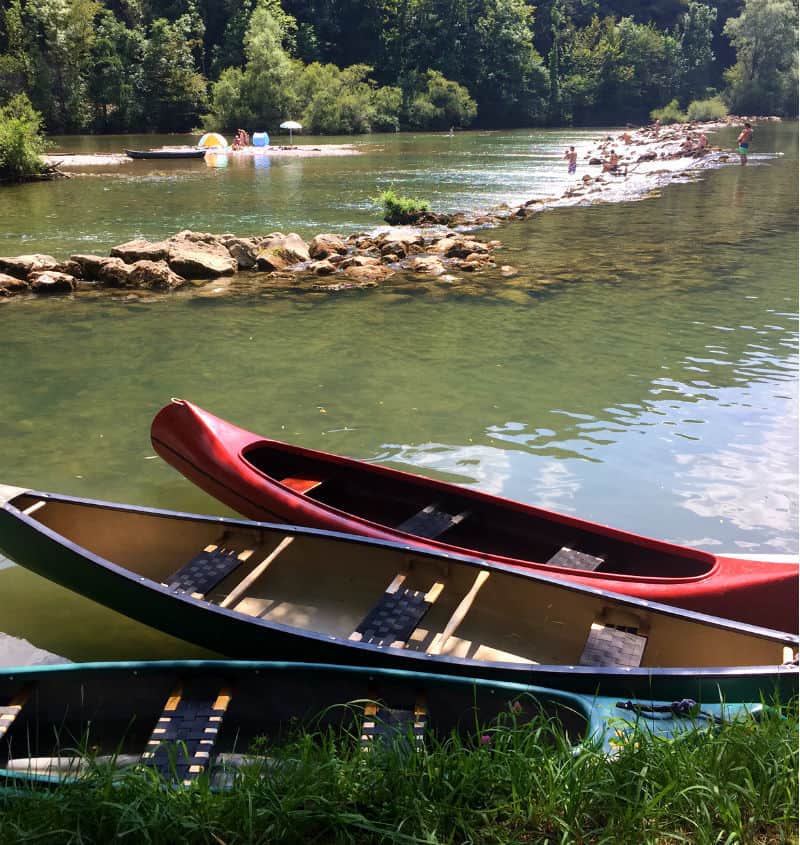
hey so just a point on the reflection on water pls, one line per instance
(639, 370)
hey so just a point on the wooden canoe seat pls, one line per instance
(396, 615)
(571, 558)
(204, 571)
(10, 711)
(183, 738)
(386, 724)
(431, 521)
(610, 646)
(302, 485)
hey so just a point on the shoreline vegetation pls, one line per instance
(521, 784)
(440, 250)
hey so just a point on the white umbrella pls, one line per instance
(290, 125)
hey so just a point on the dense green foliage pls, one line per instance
(363, 65)
(509, 784)
(398, 210)
(21, 142)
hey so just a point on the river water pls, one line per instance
(640, 369)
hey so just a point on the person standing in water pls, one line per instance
(572, 158)
(744, 139)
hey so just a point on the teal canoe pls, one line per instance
(188, 717)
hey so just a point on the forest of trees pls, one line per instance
(351, 66)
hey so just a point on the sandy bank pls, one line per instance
(64, 160)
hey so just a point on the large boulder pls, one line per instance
(141, 250)
(429, 265)
(370, 274)
(279, 251)
(51, 281)
(198, 260)
(155, 275)
(21, 266)
(11, 285)
(111, 271)
(244, 250)
(324, 246)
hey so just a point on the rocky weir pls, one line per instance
(276, 261)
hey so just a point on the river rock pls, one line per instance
(154, 275)
(429, 265)
(322, 268)
(244, 250)
(359, 260)
(324, 246)
(199, 259)
(279, 251)
(21, 266)
(11, 285)
(51, 281)
(141, 250)
(370, 274)
(464, 247)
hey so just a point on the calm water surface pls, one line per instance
(641, 368)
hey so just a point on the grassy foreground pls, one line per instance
(737, 783)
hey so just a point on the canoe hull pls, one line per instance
(237, 635)
(211, 453)
(159, 154)
(113, 707)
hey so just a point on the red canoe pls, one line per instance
(269, 480)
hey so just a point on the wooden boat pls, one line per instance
(167, 152)
(249, 589)
(188, 717)
(268, 479)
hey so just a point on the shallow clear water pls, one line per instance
(640, 369)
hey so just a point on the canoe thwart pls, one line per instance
(610, 646)
(396, 615)
(431, 521)
(302, 485)
(204, 571)
(241, 588)
(184, 736)
(387, 724)
(573, 558)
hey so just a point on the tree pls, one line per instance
(695, 33)
(764, 78)
(173, 91)
(440, 103)
(21, 141)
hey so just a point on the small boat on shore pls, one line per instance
(268, 479)
(184, 718)
(257, 590)
(167, 152)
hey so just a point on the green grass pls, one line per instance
(734, 784)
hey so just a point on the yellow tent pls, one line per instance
(212, 139)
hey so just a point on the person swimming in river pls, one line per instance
(745, 136)
(572, 158)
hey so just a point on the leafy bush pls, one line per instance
(671, 113)
(711, 109)
(21, 141)
(439, 103)
(397, 209)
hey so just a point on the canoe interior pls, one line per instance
(115, 711)
(329, 585)
(488, 527)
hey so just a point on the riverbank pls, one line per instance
(733, 782)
